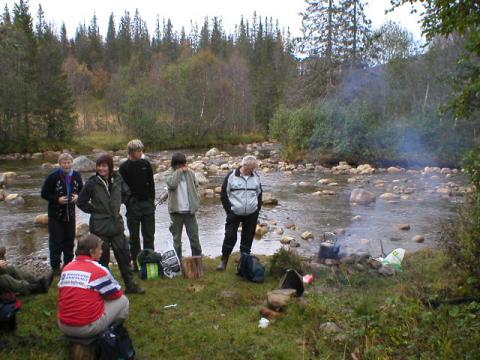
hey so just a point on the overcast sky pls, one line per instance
(181, 12)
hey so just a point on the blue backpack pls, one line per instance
(250, 268)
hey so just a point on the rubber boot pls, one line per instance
(223, 264)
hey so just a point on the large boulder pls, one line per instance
(362, 197)
(84, 164)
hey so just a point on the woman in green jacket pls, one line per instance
(183, 203)
(101, 197)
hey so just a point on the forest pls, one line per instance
(343, 90)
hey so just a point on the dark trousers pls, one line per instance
(61, 238)
(119, 245)
(249, 224)
(141, 216)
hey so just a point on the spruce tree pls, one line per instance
(111, 54)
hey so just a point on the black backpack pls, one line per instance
(116, 344)
(250, 268)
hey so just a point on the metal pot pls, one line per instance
(329, 248)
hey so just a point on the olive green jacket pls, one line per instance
(173, 178)
(103, 203)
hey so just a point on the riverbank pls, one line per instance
(113, 141)
(217, 317)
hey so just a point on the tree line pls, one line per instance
(343, 89)
(154, 85)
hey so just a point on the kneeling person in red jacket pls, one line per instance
(90, 298)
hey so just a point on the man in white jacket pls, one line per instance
(242, 200)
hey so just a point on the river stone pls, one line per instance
(212, 152)
(2, 195)
(387, 270)
(279, 231)
(362, 197)
(202, 180)
(287, 240)
(14, 199)
(357, 218)
(404, 227)
(347, 260)
(218, 190)
(51, 154)
(260, 231)
(158, 177)
(41, 219)
(268, 199)
(208, 193)
(418, 239)
(83, 164)
(394, 170)
(389, 197)
(280, 298)
(81, 229)
(7, 178)
(290, 226)
(330, 328)
(324, 181)
(307, 235)
(37, 155)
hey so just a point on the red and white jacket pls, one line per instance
(84, 287)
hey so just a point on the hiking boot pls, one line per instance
(223, 264)
(135, 289)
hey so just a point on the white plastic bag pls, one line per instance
(171, 264)
(394, 258)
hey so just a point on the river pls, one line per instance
(424, 210)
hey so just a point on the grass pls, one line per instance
(216, 317)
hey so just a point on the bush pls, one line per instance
(284, 260)
(462, 237)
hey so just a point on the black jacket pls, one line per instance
(139, 177)
(54, 187)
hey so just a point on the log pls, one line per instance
(192, 267)
(84, 352)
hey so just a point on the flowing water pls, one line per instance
(424, 212)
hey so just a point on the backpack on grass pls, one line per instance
(116, 344)
(250, 268)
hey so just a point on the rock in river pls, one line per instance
(41, 219)
(362, 197)
(15, 199)
(84, 164)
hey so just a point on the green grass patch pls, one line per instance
(217, 316)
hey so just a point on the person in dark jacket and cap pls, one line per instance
(61, 189)
(242, 200)
(101, 197)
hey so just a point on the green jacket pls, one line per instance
(103, 202)
(173, 178)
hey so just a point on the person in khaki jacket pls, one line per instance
(183, 203)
